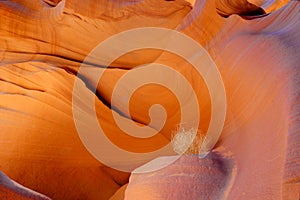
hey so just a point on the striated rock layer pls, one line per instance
(42, 45)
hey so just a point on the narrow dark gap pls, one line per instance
(98, 95)
(52, 3)
(71, 70)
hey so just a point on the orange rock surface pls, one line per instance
(43, 44)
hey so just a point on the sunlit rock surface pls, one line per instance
(43, 43)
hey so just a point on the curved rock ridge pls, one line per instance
(12, 190)
(208, 178)
(240, 7)
(270, 6)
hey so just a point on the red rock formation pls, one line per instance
(259, 65)
(43, 43)
(190, 177)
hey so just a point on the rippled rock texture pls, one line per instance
(255, 45)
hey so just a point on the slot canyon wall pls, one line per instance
(255, 46)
